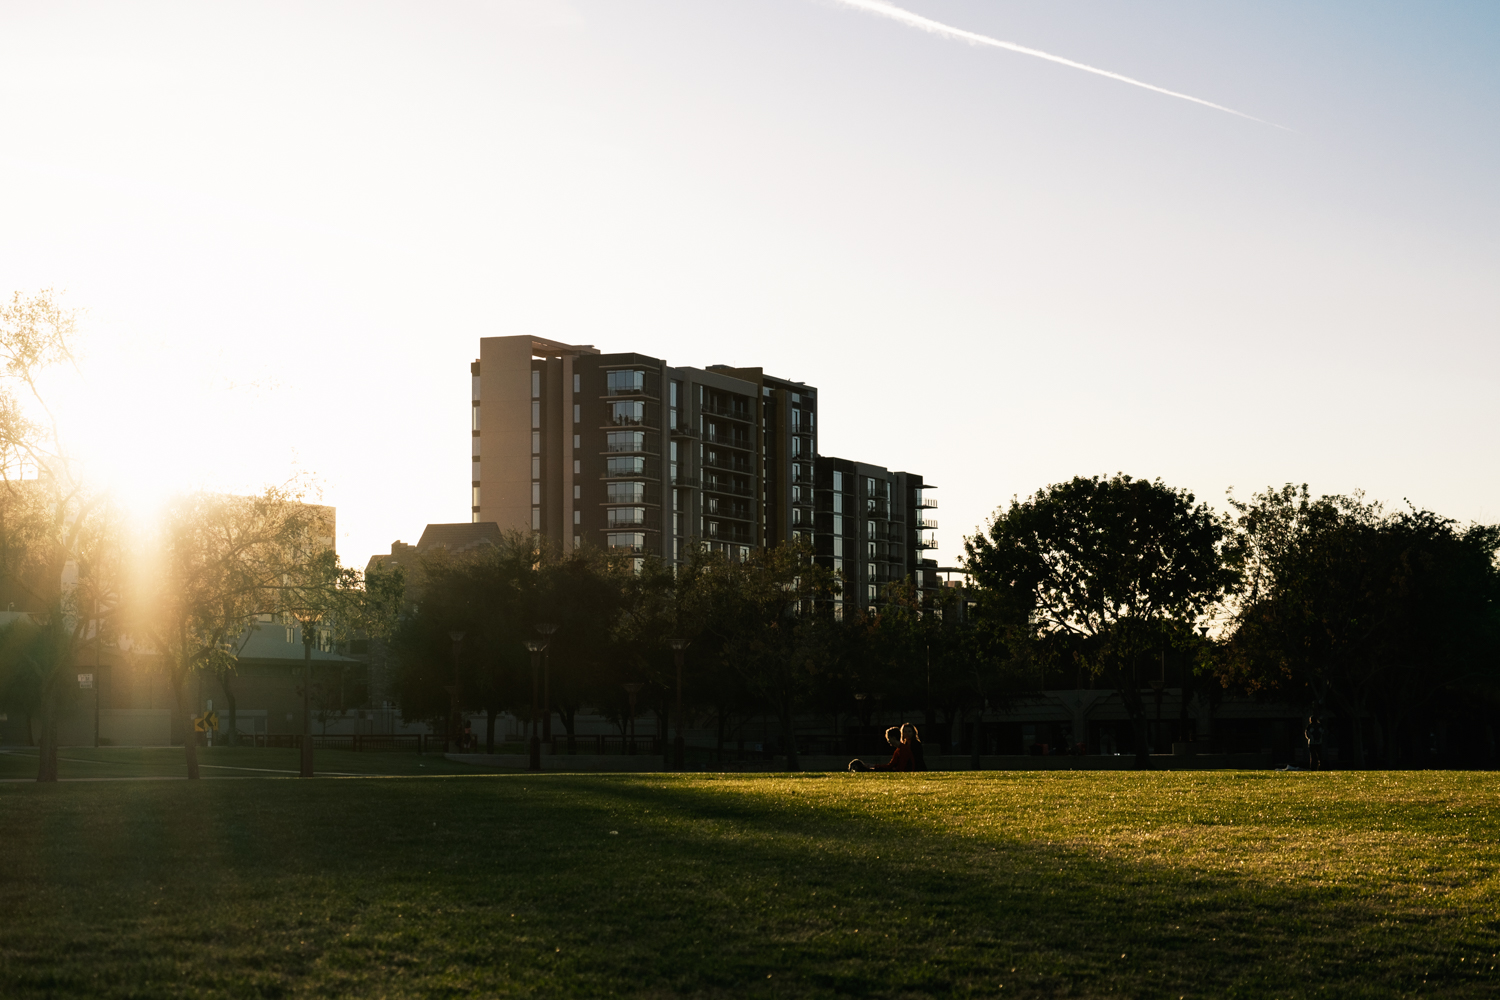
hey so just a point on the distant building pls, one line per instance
(625, 451)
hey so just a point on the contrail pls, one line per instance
(882, 9)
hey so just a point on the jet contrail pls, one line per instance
(906, 17)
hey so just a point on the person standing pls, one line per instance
(1314, 734)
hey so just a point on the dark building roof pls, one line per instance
(460, 537)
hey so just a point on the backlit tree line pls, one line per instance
(1384, 619)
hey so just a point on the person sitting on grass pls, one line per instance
(901, 759)
(913, 742)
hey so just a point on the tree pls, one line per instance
(774, 614)
(53, 528)
(215, 566)
(1096, 573)
(1380, 616)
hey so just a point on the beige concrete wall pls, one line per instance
(505, 432)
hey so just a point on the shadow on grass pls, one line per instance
(636, 886)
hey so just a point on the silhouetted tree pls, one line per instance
(1098, 573)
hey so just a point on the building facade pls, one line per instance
(625, 451)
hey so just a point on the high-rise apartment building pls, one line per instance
(872, 526)
(625, 451)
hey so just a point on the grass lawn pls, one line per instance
(1000, 884)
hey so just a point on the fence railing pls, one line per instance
(420, 742)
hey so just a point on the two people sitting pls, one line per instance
(906, 752)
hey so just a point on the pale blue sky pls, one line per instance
(292, 222)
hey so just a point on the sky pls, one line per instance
(289, 224)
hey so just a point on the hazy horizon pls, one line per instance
(291, 225)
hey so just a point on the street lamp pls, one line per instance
(536, 646)
(547, 630)
(304, 623)
(632, 690)
(678, 645)
(453, 719)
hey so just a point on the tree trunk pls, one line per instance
(489, 730)
(234, 725)
(46, 768)
(789, 736)
(1131, 698)
(190, 739)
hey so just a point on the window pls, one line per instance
(620, 382)
(838, 501)
(869, 529)
(577, 541)
(625, 493)
(536, 385)
(796, 446)
(796, 515)
(475, 477)
(577, 441)
(627, 413)
(713, 529)
(577, 383)
(626, 441)
(578, 517)
(838, 482)
(536, 467)
(536, 519)
(577, 414)
(624, 517)
(577, 492)
(838, 565)
(476, 497)
(475, 397)
(796, 494)
(872, 591)
(577, 467)
(633, 540)
(536, 442)
(536, 414)
(625, 467)
(872, 549)
(536, 492)
(476, 418)
(838, 546)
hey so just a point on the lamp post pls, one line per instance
(547, 629)
(632, 690)
(536, 646)
(679, 754)
(307, 746)
(453, 738)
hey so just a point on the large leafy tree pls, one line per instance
(1096, 574)
(773, 612)
(1383, 616)
(215, 566)
(54, 529)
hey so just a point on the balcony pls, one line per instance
(732, 412)
(715, 484)
(631, 517)
(923, 523)
(685, 482)
(648, 421)
(927, 502)
(685, 431)
(648, 385)
(927, 543)
(646, 447)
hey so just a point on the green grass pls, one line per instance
(1078, 884)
